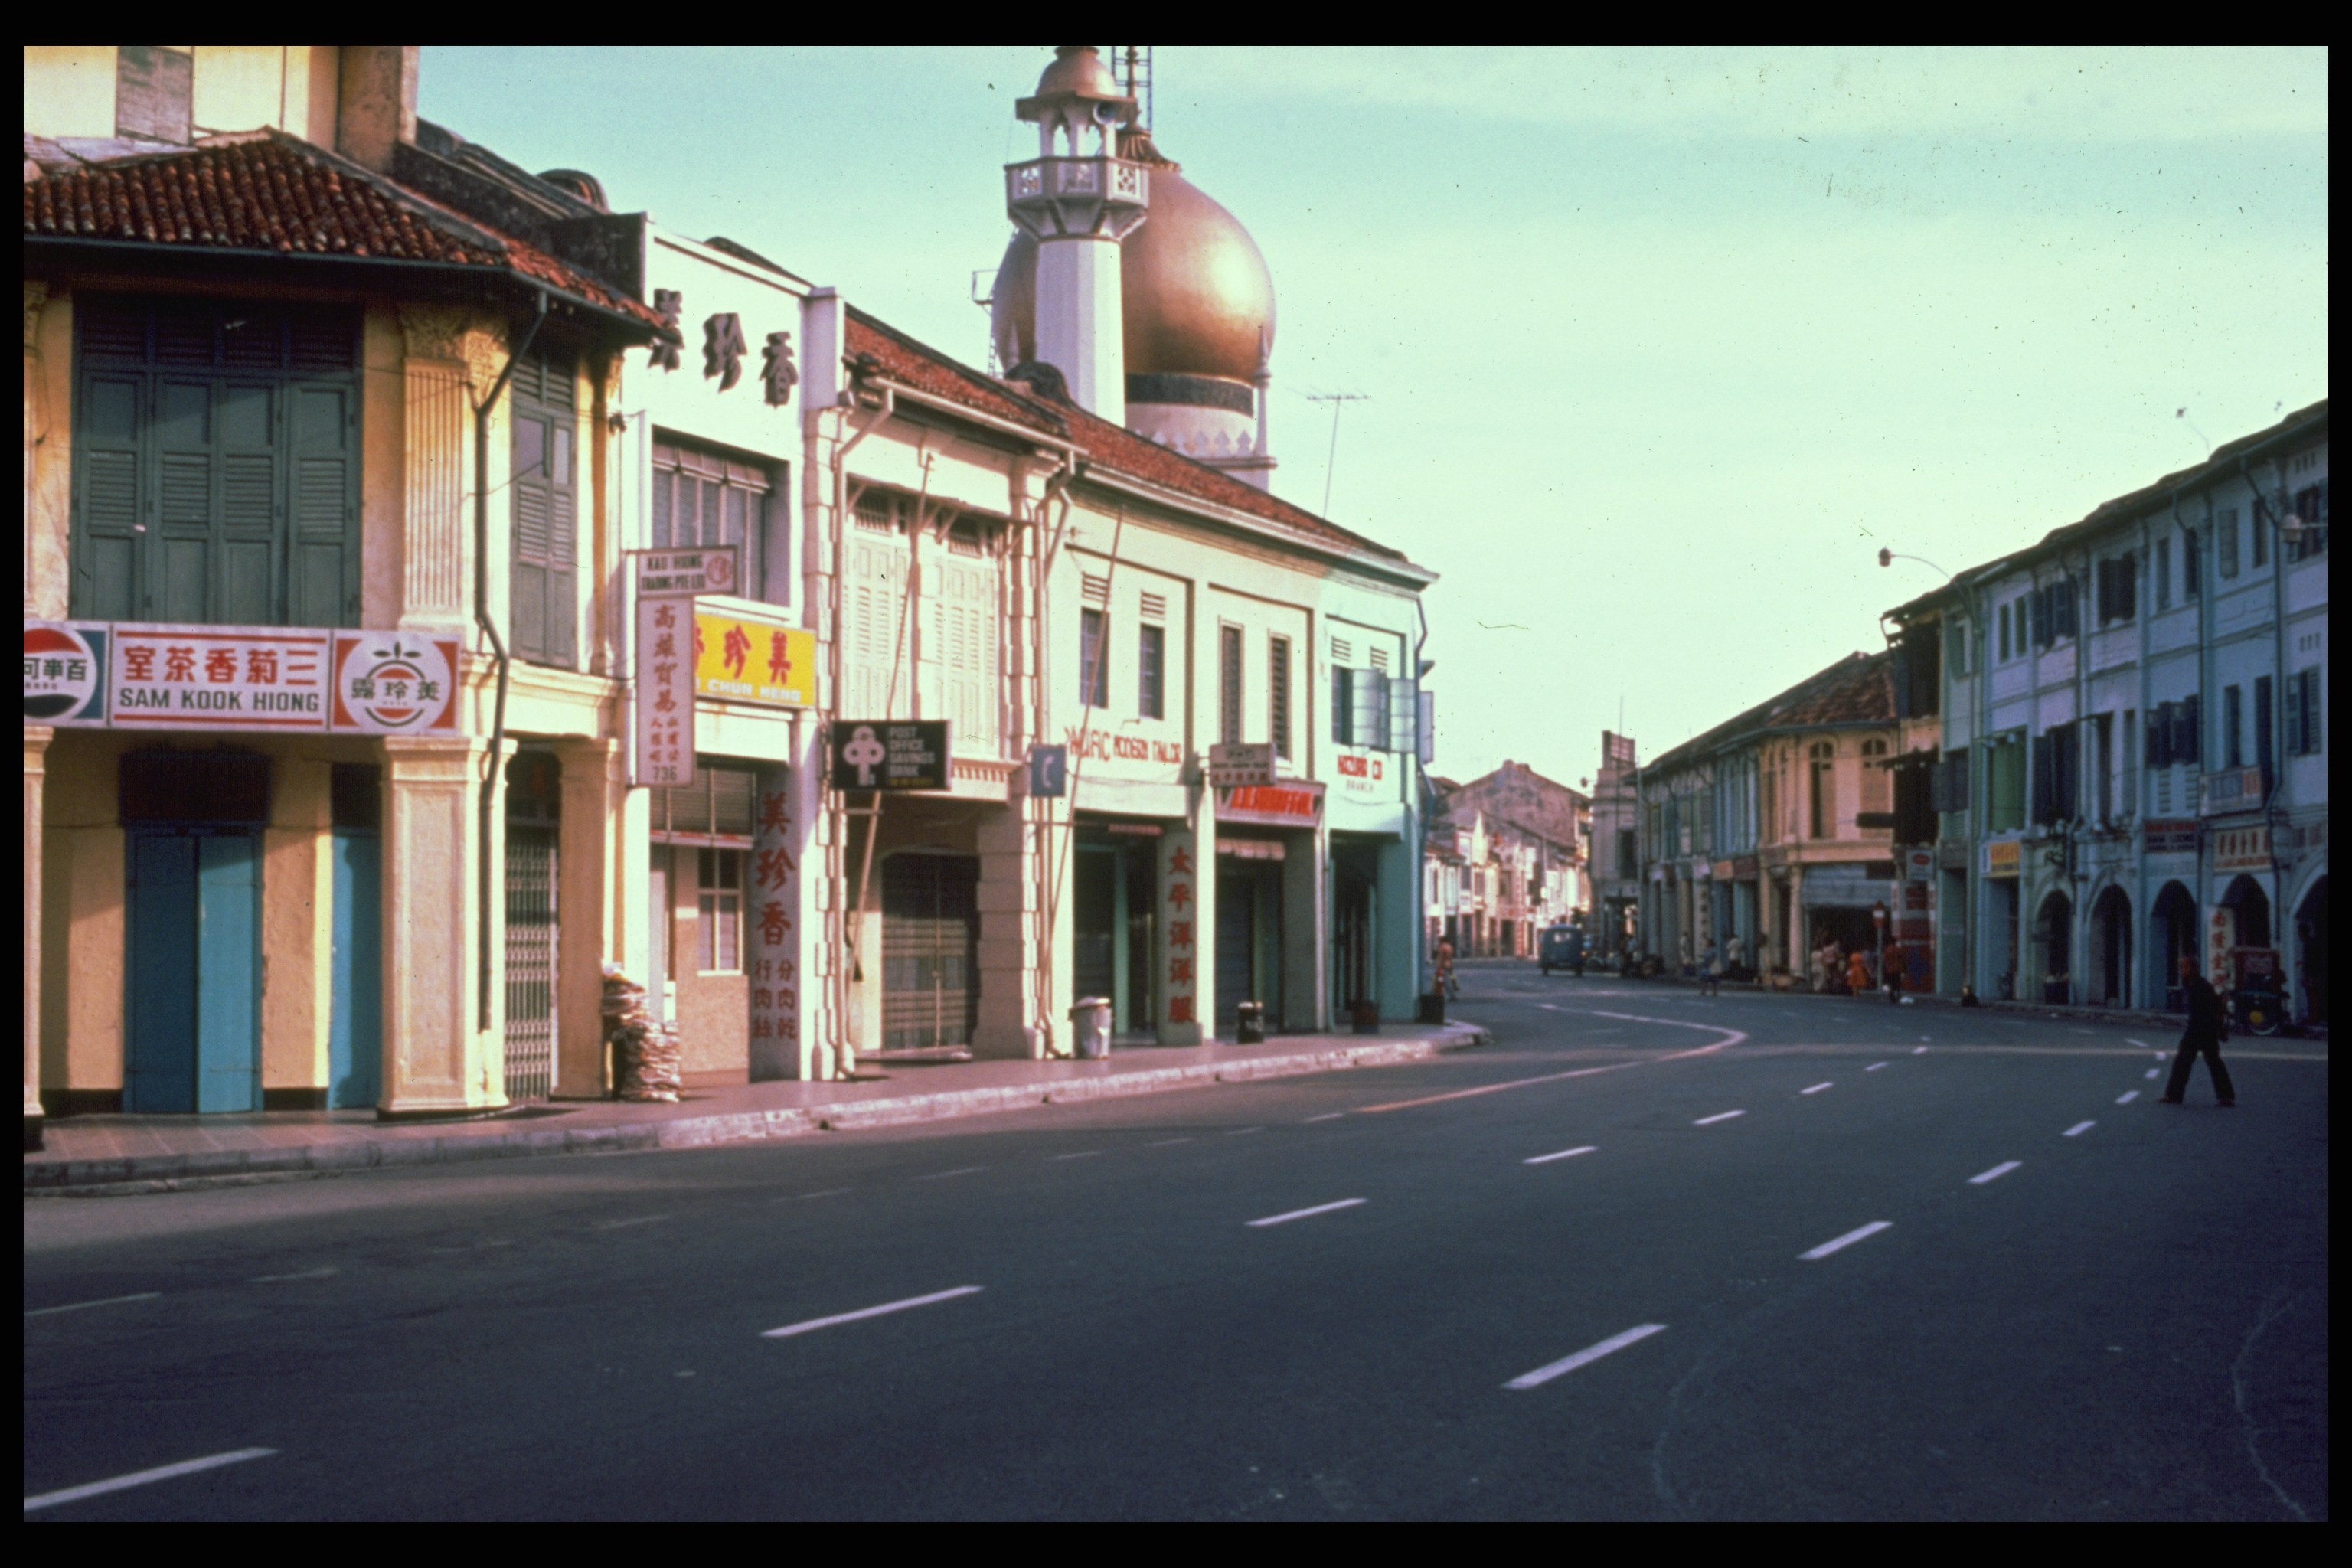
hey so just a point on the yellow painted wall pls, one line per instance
(69, 89)
(81, 914)
(296, 924)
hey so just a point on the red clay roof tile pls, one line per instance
(280, 194)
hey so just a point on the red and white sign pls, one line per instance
(665, 726)
(775, 949)
(1360, 772)
(65, 673)
(1298, 803)
(395, 683)
(218, 678)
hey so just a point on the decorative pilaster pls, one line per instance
(437, 1058)
(36, 746)
(450, 354)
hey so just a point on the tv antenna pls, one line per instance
(2182, 414)
(1336, 399)
(1131, 67)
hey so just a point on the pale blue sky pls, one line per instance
(1660, 346)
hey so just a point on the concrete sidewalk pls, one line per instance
(157, 1153)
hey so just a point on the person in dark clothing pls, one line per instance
(2203, 1036)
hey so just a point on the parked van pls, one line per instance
(1561, 947)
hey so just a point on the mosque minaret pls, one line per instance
(1148, 297)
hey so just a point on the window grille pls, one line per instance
(1278, 680)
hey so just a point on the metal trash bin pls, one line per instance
(1365, 1017)
(1432, 1007)
(1249, 1024)
(1090, 1023)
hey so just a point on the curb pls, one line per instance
(169, 1172)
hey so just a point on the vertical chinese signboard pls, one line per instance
(775, 947)
(1179, 910)
(665, 727)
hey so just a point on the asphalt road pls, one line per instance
(1110, 1311)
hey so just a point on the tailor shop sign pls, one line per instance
(242, 678)
(1360, 772)
(1295, 802)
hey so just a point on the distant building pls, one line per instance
(1616, 847)
(1508, 853)
(1769, 836)
(2132, 721)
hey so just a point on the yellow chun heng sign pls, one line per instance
(746, 658)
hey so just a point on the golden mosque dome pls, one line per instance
(1195, 293)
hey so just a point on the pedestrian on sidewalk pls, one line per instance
(1857, 974)
(1710, 970)
(1892, 966)
(2203, 1036)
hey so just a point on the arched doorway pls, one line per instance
(2054, 934)
(2250, 909)
(2311, 952)
(2108, 982)
(2172, 936)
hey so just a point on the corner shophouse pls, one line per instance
(251, 369)
(1182, 608)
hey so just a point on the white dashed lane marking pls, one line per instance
(2003, 1169)
(144, 1478)
(1848, 1239)
(2078, 1129)
(1874, 1067)
(789, 1330)
(1589, 1354)
(1719, 1116)
(2153, 1072)
(1562, 1154)
(1825, 1083)
(1304, 1214)
(101, 1301)
(2126, 1097)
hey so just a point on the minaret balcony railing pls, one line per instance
(1059, 198)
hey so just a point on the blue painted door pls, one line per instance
(160, 1062)
(193, 964)
(355, 1037)
(228, 979)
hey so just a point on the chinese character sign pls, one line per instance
(1182, 1004)
(395, 683)
(722, 349)
(665, 702)
(669, 304)
(218, 678)
(775, 962)
(65, 673)
(750, 659)
(778, 374)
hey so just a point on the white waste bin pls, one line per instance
(1090, 1023)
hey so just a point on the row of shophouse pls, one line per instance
(442, 591)
(2072, 767)
(1504, 858)
(1769, 837)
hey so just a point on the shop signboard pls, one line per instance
(1743, 867)
(664, 742)
(1721, 870)
(1295, 803)
(2242, 849)
(2171, 835)
(2003, 858)
(64, 672)
(742, 654)
(217, 678)
(1049, 771)
(1232, 763)
(685, 574)
(774, 958)
(1180, 906)
(875, 753)
(395, 683)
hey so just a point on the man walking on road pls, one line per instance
(1710, 976)
(2204, 1035)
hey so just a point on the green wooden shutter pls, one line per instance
(216, 463)
(543, 581)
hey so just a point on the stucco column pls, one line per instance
(36, 746)
(437, 1057)
(436, 411)
(1014, 999)
(594, 785)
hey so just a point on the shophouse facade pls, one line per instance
(1515, 844)
(1615, 847)
(323, 779)
(2135, 742)
(1754, 832)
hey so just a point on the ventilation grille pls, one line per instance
(1342, 650)
(1093, 590)
(1155, 606)
(876, 513)
(1380, 659)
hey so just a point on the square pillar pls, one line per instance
(437, 1055)
(36, 746)
(594, 782)
(1015, 961)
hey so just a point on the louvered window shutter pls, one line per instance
(1343, 706)
(544, 586)
(2044, 785)
(2189, 738)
